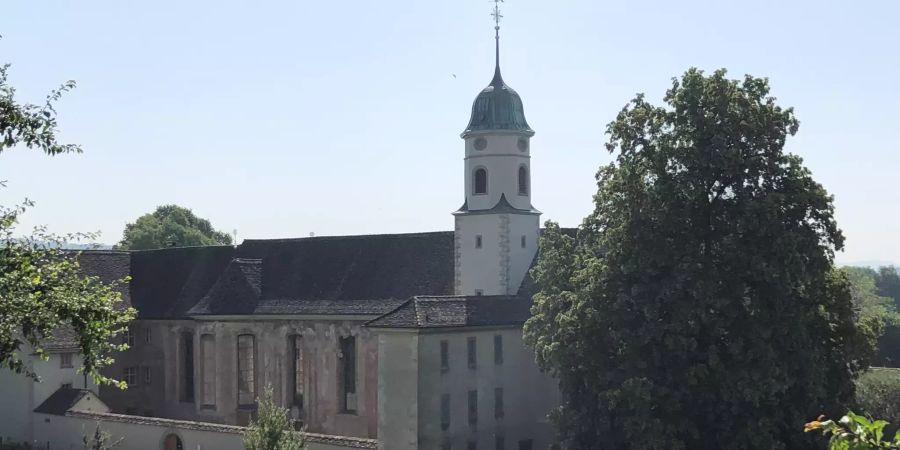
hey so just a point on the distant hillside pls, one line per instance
(872, 264)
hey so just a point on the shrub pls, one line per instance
(878, 395)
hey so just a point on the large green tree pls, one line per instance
(171, 226)
(698, 307)
(42, 288)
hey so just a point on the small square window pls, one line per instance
(65, 360)
(130, 376)
(478, 241)
(67, 385)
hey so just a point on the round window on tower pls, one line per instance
(523, 145)
(480, 143)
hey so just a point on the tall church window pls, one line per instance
(246, 356)
(296, 364)
(523, 180)
(470, 351)
(347, 371)
(208, 355)
(445, 411)
(480, 181)
(187, 367)
(473, 408)
(445, 356)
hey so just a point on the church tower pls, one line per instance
(496, 233)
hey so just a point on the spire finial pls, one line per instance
(498, 80)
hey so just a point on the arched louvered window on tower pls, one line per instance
(523, 180)
(480, 181)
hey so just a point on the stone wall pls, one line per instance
(144, 433)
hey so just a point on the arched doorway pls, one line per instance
(172, 442)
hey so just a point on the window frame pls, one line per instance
(472, 352)
(475, 179)
(445, 356)
(524, 185)
(65, 360)
(346, 379)
(473, 408)
(208, 370)
(249, 380)
(498, 349)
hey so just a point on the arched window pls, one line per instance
(523, 180)
(480, 181)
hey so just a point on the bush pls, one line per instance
(878, 395)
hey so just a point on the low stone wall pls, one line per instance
(149, 433)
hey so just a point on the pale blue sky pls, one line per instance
(281, 118)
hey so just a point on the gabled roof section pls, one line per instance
(166, 283)
(456, 311)
(65, 399)
(237, 291)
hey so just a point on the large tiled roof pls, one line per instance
(345, 275)
(365, 275)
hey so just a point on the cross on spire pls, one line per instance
(497, 16)
(498, 80)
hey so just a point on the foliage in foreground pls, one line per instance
(272, 430)
(854, 432)
(100, 440)
(698, 306)
(41, 287)
(171, 226)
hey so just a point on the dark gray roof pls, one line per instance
(61, 400)
(365, 275)
(502, 207)
(456, 311)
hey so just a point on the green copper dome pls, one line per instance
(498, 107)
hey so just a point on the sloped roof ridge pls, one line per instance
(352, 236)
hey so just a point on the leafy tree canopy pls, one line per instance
(698, 307)
(171, 226)
(42, 288)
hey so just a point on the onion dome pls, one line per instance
(498, 106)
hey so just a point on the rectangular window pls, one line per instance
(246, 357)
(445, 356)
(445, 412)
(498, 403)
(498, 349)
(348, 375)
(499, 443)
(473, 408)
(147, 335)
(296, 365)
(208, 369)
(478, 241)
(187, 367)
(127, 337)
(523, 241)
(145, 376)
(525, 444)
(470, 346)
(65, 360)
(130, 376)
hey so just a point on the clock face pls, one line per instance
(523, 145)
(480, 144)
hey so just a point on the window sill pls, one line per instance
(348, 413)
(247, 407)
